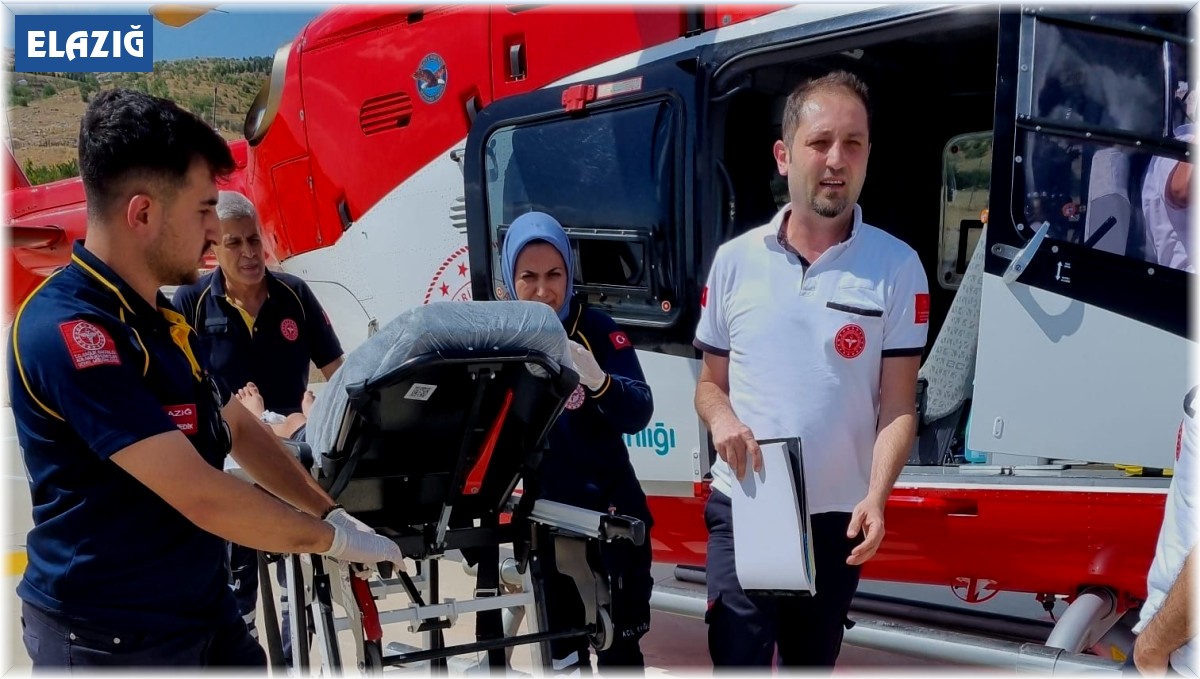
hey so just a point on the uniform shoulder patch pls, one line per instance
(921, 304)
(89, 344)
(619, 340)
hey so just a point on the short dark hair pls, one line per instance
(837, 80)
(127, 134)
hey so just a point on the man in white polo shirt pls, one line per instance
(1166, 634)
(812, 326)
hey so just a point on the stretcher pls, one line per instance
(432, 433)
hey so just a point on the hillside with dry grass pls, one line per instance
(44, 109)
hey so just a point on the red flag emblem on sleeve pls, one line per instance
(620, 340)
(704, 297)
(922, 308)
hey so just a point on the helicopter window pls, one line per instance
(1082, 172)
(966, 181)
(609, 178)
(1109, 81)
(1108, 197)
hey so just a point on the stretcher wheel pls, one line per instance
(373, 657)
(602, 638)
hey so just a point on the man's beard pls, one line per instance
(167, 272)
(829, 208)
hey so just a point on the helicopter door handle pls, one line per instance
(1019, 259)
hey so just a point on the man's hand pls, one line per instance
(340, 518)
(867, 517)
(736, 445)
(356, 542)
(1150, 661)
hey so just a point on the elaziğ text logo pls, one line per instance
(84, 43)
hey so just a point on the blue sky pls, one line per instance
(236, 30)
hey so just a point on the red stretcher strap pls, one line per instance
(372, 629)
(475, 478)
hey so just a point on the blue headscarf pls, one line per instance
(536, 226)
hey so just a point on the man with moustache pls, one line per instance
(124, 433)
(259, 330)
(812, 326)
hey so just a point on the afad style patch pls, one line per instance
(89, 344)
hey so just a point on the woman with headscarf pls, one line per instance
(587, 463)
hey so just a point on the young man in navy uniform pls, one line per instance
(124, 432)
(812, 326)
(258, 330)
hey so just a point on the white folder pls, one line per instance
(772, 544)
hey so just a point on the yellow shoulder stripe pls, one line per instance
(145, 351)
(303, 313)
(104, 281)
(196, 311)
(17, 352)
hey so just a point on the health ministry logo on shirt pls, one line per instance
(84, 43)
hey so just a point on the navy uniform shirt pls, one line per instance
(587, 463)
(92, 370)
(271, 350)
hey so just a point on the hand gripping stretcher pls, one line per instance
(424, 434)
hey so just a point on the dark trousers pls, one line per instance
(243, 580)
(54, 643)
(746, 630)
(628, 566)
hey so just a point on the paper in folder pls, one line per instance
(771, 529)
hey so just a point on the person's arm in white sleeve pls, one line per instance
(906, 327)
(732, 439)
(1170, 628)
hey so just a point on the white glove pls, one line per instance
(355, 542)
(340, 518)
(590, 374)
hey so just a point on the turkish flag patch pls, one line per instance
(90, 345)
(620, 340)
(922, 308)
(704, 297)
(184, 417)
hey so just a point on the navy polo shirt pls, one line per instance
(92, 370)
(271, 350)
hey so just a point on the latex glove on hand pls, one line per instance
(356, 542)
(590, 374)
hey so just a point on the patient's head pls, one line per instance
(536, 262)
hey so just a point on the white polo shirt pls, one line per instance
(806, 342)
(1167, 224)
(1176, 539)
